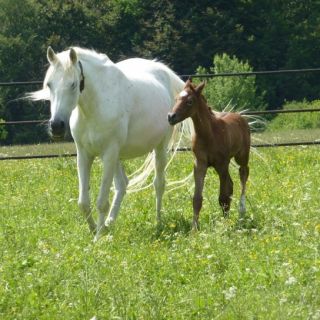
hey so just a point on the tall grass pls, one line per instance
(264, 268)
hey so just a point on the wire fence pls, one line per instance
(183, 76)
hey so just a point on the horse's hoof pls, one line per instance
(195, 226)
(100, 233)
(93, 229)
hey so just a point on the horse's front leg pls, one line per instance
(84, 163)
(110, 159)
(120, 182)
(199, 171)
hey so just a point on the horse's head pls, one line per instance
(65, 81)
(186, 103)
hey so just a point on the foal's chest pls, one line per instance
(210, 151)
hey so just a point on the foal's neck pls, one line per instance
(202, 120)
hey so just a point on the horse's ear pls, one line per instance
(200, 87)
(51, 56)
(188, 82)
(73, 56)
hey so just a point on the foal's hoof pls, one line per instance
(195, 226)
(225, 213)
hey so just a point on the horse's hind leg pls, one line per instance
(244, 174)
(120, 182)
(226, 190)
(242, 159)
(159, 180)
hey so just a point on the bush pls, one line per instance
(237, 92)
(306, 120)
(3, 131)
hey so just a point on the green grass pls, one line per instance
(38, 149)
(265, 268)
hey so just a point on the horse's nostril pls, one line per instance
(57, 127)
(171, 117)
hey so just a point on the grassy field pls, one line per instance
(267, 267)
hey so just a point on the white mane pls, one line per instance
(85, 55)
(91, 55)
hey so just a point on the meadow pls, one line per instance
(266, 267)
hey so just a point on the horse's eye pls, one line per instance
(189, 102)
(73, 85)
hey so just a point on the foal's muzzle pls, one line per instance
(172, 118)
(57, 129)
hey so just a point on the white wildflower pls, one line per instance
(230, 293)
(290, 281)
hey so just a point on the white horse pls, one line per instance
(115, 111)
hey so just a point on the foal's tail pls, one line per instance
(180, 137)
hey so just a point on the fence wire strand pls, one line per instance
(183, 76)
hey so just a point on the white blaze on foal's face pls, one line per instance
(183, 94)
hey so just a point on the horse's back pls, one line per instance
(138, 69)
(237, 130)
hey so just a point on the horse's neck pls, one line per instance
(203, 119)
(97, 85)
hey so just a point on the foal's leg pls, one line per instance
(120, 182)
(242, 159)
(199, 172)
(244, 174)
(110, 159)
(226, 190)
(159, 180)
(84, 163)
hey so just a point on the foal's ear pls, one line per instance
(51, 56)
(188, 82)
(73, 56)
(200, 87)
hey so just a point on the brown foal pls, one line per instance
(218, 137)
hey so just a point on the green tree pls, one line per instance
(231, 92)
(269, 34)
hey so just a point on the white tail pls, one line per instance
(180, 137)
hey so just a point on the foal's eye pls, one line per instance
(189, 102)
(73, 85)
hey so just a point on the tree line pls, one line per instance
(186, 35)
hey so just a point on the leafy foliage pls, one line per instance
(268, 35)
(305, 120)
(235, 92)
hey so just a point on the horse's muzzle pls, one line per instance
(172, 118)
(57, 129)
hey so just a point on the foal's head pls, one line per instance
(187, 103)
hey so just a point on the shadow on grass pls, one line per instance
(247, 225)
(171, 228)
